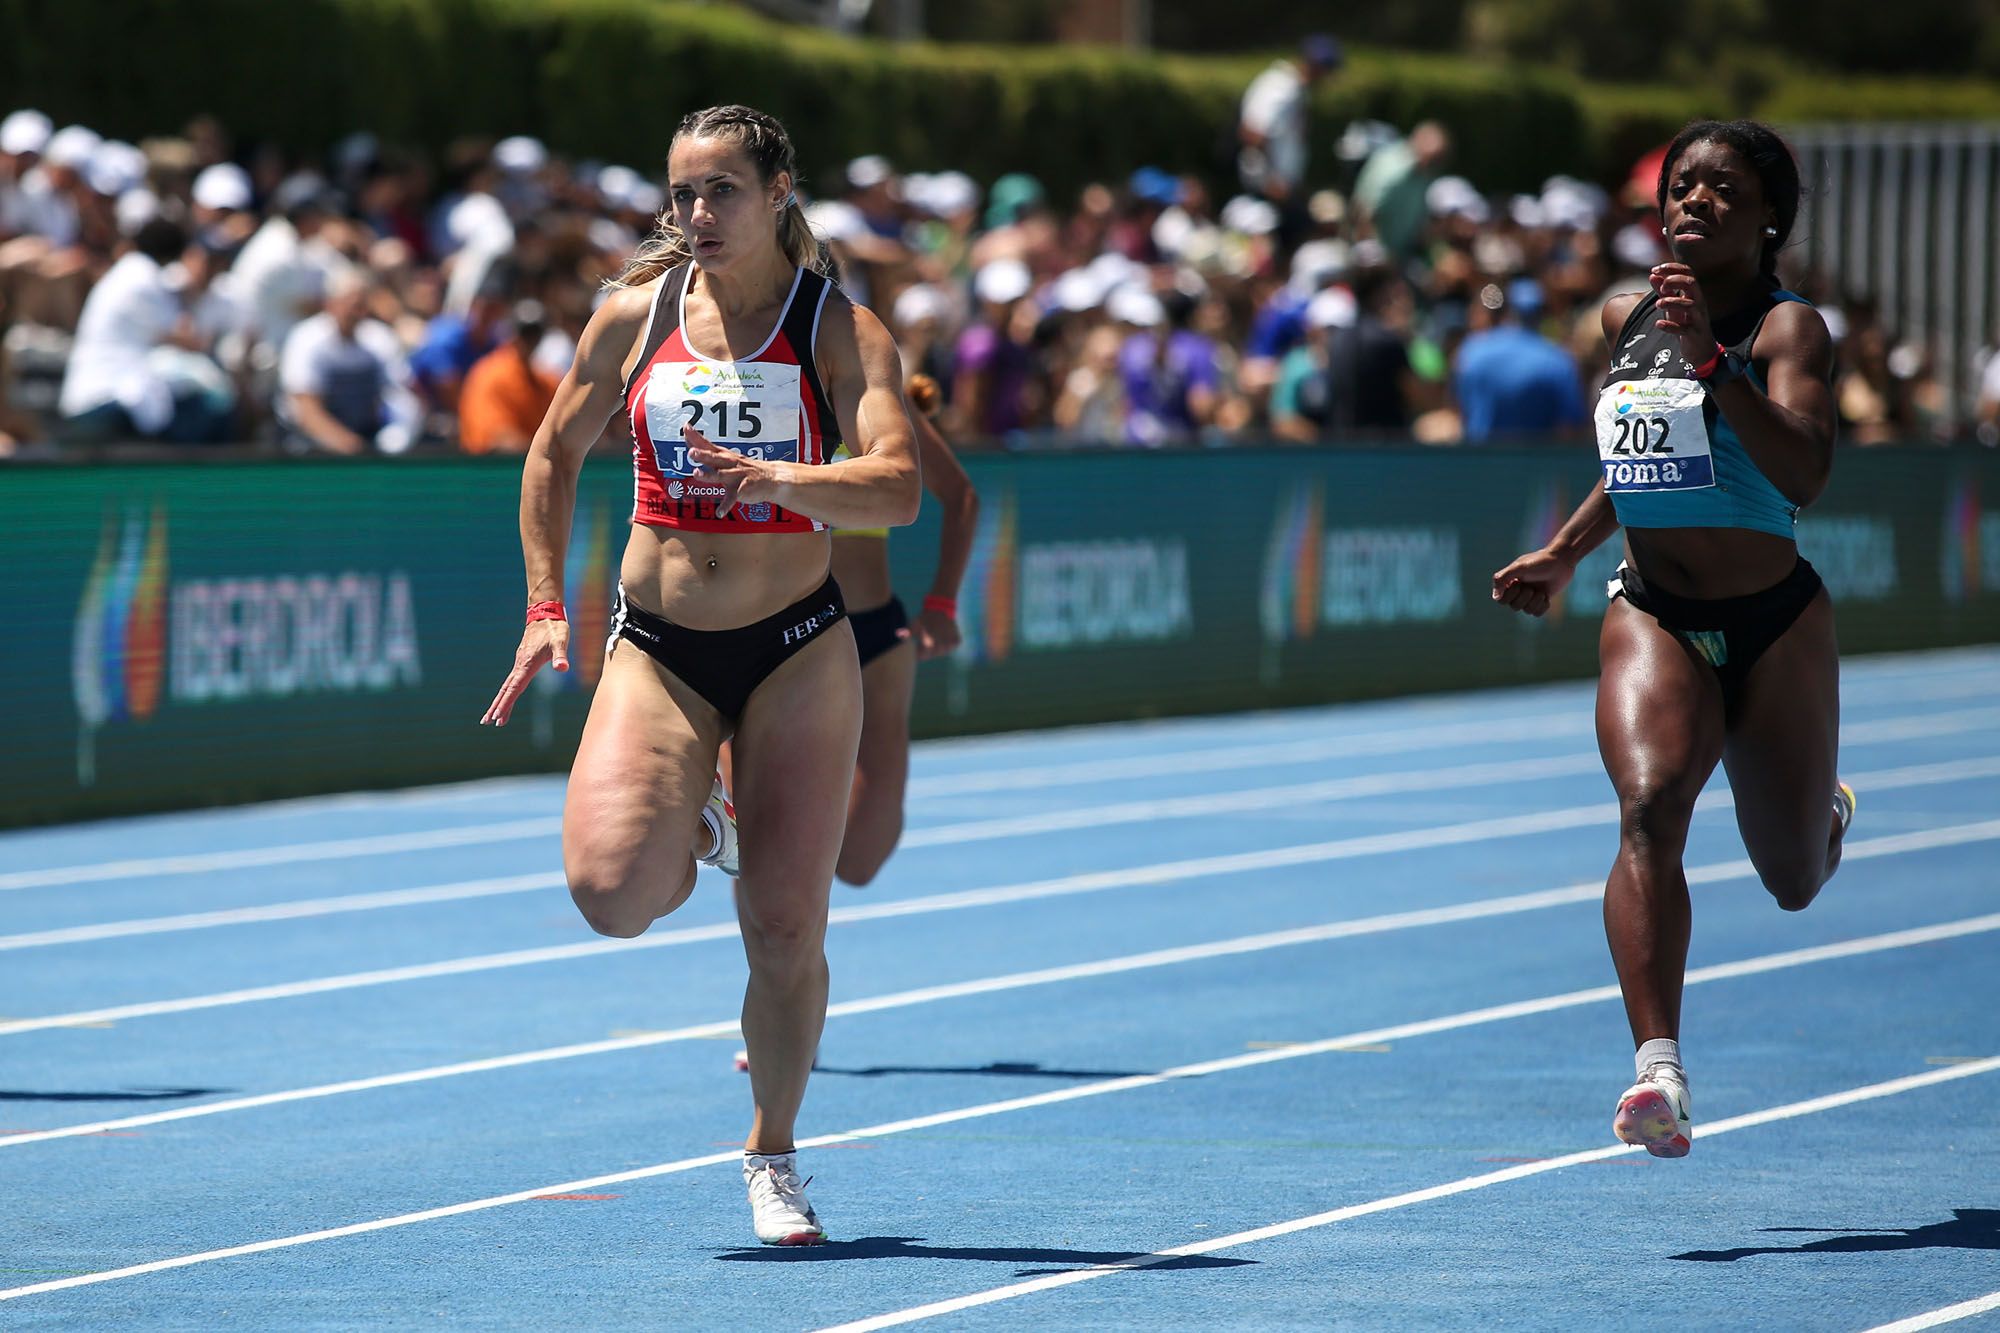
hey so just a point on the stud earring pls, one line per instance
(1770, 231)
(1663, 231)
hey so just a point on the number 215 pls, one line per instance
(748, 422)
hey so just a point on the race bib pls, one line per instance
(1651, 437)
(751, 407)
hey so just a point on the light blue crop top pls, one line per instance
(1670, 458)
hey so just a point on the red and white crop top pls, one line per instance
(769, 405)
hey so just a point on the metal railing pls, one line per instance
(1904, 215)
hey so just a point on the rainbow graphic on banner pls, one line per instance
(1960, 561)
(118, 654)
(1548, 510)
(1288, 602)
(986, 597)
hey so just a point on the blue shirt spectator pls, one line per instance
(1512, 381)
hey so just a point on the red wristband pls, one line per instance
(944, 606)
(547, 611)
(1707, 368)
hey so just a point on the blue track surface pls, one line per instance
(1072, 911)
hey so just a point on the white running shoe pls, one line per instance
(1654, 1113)
(719, 816)
(1843, 806)
(743, 1062)
(778, 1207)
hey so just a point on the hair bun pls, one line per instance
(924, 394)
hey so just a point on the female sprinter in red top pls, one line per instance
(741, 370)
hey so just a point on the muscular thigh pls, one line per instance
(1784, 739)
(794, 754)
(642, 773)
(1659, 710)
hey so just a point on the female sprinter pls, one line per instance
(1714, 426)
(891, 645)
(741, 370)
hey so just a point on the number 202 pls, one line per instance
(1639, 436)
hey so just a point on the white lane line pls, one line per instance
(1338, 849)
(1950, 1314)
(198, 863)
(1258, 798)
(1271, 754)
(1463, 1185)
(1164, 873)
(1400, 741)
(1405, 1031)
(1372, 925)
(1130, 812)
(1387, 784)
(285, 911)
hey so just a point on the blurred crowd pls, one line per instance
(191, 289)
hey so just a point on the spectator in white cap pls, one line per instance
(282, 271)
(1352, 375)
(993, 384)
(922, 320)
(1390, 192)
(522, 160)
(343, 381)
(46, 270)
(1171, 375)
(870, 247)
(22, 137)
(127, 376)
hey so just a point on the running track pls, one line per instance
(1288, 1019)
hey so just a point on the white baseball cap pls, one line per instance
(1251, 217)
(865, 173)
(1002, 281)
(1136, 305)
(71, 147)
(134, 209)
(1333, 308)
(115, 168)
(521, 153)
(25, 132)
(1076, 291)
(616, 184)
(920, 302)
(224, 187)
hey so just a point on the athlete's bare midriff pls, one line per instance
(1710, 563)
(861, 565)
(721, 580)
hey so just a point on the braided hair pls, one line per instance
(1768, 155)
(769, 149)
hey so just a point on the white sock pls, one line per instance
(1658, 1051)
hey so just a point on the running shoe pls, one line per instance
(1843, 806)
(719, 816)
(1653, 1113)
(778, 1207)
(742, 1062)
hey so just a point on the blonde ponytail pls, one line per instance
(770, 148)
(663, 249)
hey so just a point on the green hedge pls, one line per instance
(609, 78)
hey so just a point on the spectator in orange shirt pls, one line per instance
(506, 394)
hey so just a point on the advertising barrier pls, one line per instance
(195, 633)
